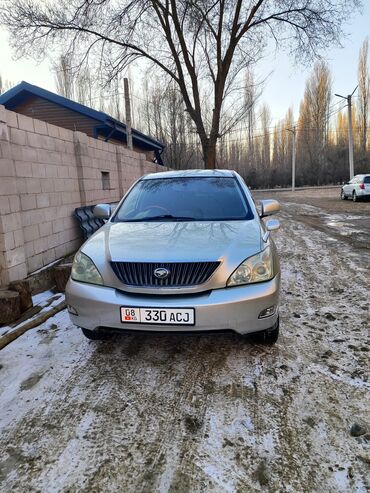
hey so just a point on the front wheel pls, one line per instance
(343, 195)
(354, 197)
(95, 335)
(268, 337)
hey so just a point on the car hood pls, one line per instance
(175, 241)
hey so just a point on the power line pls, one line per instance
(103, 95)
(296, 123)
(263, 134)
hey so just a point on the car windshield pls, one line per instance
(185, 199)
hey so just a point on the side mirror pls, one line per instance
(102, 211)
(269, 207)
(272, 225)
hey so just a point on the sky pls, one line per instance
(284, 86)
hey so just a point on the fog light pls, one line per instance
(72, 310)
(267, 312)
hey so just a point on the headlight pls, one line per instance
(258, 268)
(84, 270)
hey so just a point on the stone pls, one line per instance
(61, 276)
(358, 429)
(10, 306)
(24, 290)
(327, 354)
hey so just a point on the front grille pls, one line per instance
(181, 274)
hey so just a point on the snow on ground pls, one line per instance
(42, 298)
(42, 303)
(196, 413)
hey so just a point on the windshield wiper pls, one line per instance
(162, 216)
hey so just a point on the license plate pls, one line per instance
(158, 316)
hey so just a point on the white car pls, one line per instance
(358, 187)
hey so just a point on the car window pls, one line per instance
(367, 179)
(185, 198)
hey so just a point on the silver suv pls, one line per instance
(183, 251)
(358, 187)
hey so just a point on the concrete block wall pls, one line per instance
(45, 173)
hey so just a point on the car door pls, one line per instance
(355, 184)
(348, 187)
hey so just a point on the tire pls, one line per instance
(354, 197)
(268, 337)
(343, 195)
(95, 335)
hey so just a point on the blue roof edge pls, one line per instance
(100, 116)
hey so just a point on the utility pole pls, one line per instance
(128, 113)
(350, 132)
(294, 151)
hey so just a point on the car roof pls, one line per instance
(361, 176)
(191, 173)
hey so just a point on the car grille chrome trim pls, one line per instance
(141, 274)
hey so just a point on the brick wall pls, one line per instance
(45, 173)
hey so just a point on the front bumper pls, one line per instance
(235, 308)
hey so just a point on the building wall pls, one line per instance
(55, 114)
(45, 173)
(149, 155)
(49, 112)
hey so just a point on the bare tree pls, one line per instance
(64, 76)
(282, 151)
(202, 45)
(160, 112)
(313, 122)
(5, 84)
(114, 100)
(78, 84)
(265, 140)
(364, 93)
(251, 98)
(85, 90)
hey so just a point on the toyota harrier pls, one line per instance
(183, 251)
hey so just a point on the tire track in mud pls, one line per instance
(68, 413)
(169, 413)
(188, 416)
(325, 323)
(48, 427)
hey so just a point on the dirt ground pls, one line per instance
(174, 413)
(344, 219)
